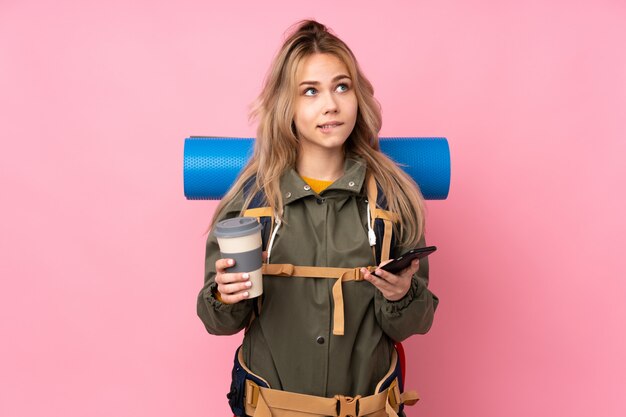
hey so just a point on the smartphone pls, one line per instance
(405, 259)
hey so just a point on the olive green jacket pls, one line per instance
(291, 343)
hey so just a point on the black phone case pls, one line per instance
(405, 259)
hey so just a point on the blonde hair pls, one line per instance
(276, 145)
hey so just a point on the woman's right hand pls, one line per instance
(232, 286)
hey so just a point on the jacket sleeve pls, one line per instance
(412, 314)
(220, 318)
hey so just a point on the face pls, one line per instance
(326, 105)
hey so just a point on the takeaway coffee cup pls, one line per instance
(240, 239)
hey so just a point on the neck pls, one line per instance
(320, 164)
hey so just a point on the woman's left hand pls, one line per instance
(393, 287)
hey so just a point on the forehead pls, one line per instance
(320, 67)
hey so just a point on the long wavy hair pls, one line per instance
(276, 145)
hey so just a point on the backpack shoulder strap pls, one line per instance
(258, 208)
(381, 219)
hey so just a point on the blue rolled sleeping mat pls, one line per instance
(212, 164)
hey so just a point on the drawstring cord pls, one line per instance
(370, 233)
(269, 246)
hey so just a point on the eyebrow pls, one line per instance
(337, 78)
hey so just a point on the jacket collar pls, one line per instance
(294, 187)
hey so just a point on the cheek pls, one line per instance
(351, 104)
(353, 107)
(301, 120)
(307, 115)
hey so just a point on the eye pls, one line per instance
(342, 88)
(310, 91)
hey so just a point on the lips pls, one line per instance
(329, 125)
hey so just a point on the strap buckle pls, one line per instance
(347, 406)
(358, 276)
(252, 393)
(394, 395)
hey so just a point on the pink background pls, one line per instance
(102, 257)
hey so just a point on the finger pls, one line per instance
(235, 298)
(230, 278)
(264, 256)
(377, 281)
(222, 264)
(387, 276)
(234, 288)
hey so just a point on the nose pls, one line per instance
(330, 104)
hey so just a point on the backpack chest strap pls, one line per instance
(340, 274)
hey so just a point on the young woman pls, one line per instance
(336, 205)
